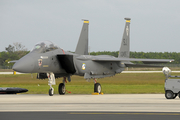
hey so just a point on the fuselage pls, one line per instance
(49, 62)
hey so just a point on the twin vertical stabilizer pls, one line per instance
(82, 46)
(124, 52)
(125, 43)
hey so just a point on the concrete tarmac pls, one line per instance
(89, 103)
(87, 116)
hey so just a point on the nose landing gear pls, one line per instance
(51, 82)
(51, 91)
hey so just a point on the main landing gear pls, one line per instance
(62, 88)
(97, 87)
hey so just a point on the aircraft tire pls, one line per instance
(179, 94)
(51, 92)
(169, 94)
(97, 88)
(175, 95)
(62, 89)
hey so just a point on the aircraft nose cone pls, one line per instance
(24, 65)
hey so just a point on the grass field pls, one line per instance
(124, 83)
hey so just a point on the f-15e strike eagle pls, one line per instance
(51, 62)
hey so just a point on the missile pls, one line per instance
(12, 90)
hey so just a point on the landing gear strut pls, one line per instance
(51, 82)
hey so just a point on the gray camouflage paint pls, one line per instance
(85, 65)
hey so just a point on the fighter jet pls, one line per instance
(50, 61)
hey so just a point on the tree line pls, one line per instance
(12, 52)
(17, 50)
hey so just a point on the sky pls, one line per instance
(155, 24)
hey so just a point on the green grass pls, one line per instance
(124, 83)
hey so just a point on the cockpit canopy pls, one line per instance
(44, 46)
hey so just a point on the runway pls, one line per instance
(87, 116)
(89, 103)
(96, 107)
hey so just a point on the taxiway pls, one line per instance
(106, 103)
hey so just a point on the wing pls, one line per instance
(107, 58)
(127, 62)
(146, 61)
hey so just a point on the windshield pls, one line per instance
(44, 46)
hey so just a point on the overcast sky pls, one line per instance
(155, 24)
